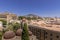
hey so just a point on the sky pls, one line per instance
(46, 8)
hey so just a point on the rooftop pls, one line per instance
(53, 27)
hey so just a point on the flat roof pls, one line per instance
(48, 27)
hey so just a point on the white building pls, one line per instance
(1, 25)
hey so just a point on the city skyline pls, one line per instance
(45, 8)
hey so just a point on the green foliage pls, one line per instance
(40, 18)
(25, 34)
(13, 26)
(4, 30)
(10, 27)
(28, 18)
(16, 26)
(3, 21)
(1, 33)
(21, 17)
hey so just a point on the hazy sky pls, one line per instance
(38, 7)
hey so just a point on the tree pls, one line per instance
(1, 33)
(3, 21)
(10, 27)
(25, 34)
(13, 26)
(16, 26)
(28, 18)
(21, 17)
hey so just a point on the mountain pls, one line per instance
(31, 15)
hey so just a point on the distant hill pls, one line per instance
(29, 15)
(33, 16)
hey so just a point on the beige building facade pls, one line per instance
(8, 16)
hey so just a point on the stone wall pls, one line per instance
(44, 34)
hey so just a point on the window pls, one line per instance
(46, 33)
(45, 36)
(50, 34)
(57, 36)
(51, 39)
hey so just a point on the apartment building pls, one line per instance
(8, 16)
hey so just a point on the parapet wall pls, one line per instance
(44, 34)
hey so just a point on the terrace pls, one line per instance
(54, 26)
